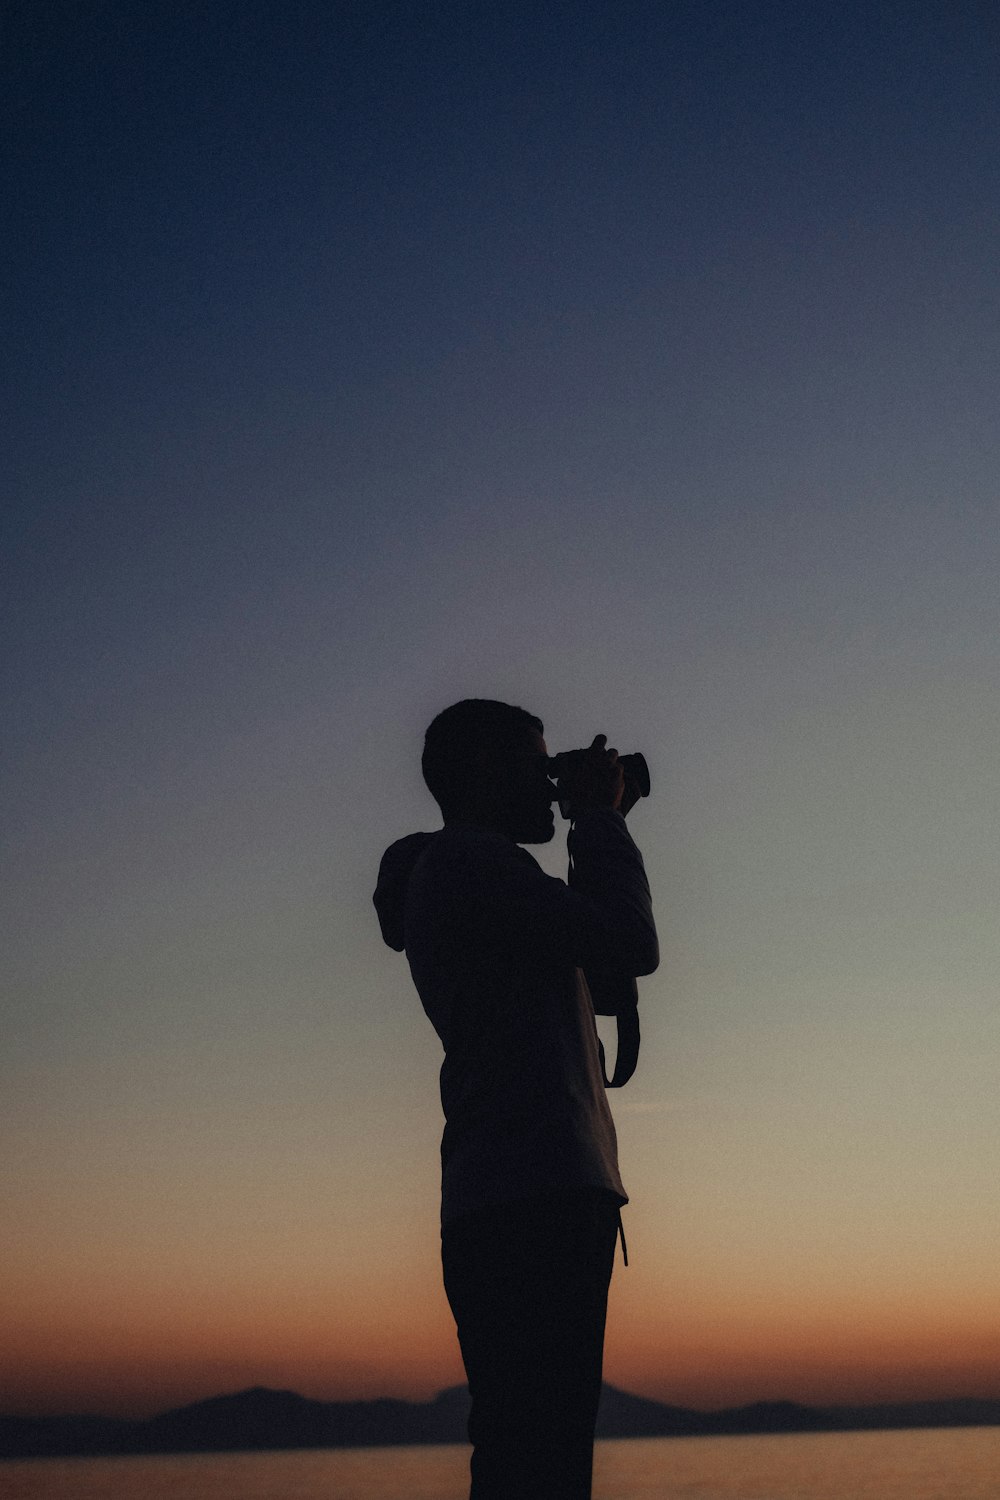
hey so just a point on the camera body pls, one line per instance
(634, 766)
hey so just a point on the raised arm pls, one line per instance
(603, 920)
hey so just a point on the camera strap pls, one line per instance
(628, 1050)
(614, 994)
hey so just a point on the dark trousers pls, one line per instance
(528, 1285)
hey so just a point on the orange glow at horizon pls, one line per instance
(120, 1350)
(129, 1302)
(56, 1377)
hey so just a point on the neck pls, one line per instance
(478, 817)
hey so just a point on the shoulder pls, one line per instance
(467, 860)
(467, 841)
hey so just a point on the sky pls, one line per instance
(635, 363)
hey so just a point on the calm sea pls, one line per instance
(936, 1464)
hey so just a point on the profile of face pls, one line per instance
(518, 790)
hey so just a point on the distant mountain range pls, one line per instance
(261, 1419)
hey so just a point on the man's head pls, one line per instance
(486, 763)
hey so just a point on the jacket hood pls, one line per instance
(393, 877)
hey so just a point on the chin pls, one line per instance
(541, 832)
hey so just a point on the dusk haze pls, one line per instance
(637, 364)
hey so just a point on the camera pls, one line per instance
(634, 766)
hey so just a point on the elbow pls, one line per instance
(628, 945)
(647, 960)
(644, 952)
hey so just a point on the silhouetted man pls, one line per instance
(531, 1195)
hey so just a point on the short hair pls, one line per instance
(457, 738)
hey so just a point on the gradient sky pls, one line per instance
(637, 363)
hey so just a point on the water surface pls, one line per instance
(931, 1464)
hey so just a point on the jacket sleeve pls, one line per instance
(602, 921)
(606, 869)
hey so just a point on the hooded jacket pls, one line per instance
(497, 950)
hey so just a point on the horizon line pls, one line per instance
(760, 1403)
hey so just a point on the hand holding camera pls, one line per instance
(598, 777)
